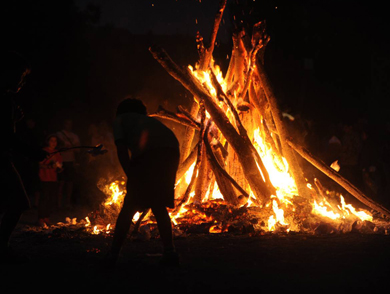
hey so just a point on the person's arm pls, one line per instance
(123, 155)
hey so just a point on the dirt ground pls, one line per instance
(71, 261)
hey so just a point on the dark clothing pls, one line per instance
(142, 133)
(151, 179)
(68, 174)
(154, 161)
(14, 196)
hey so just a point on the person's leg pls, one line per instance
(170, 256)
(61, 186)
(68, 193)
(164, 227)
(122, 226)
(43, 203)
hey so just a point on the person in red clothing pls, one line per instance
(48, 171)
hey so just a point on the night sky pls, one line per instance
(328, 61)
(160, 16)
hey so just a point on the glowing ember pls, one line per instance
(335, 165)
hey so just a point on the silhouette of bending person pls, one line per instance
(151, 171)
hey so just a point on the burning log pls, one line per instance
(185, 165)
(320, 188)
(205, 58)
(225, 98)
(261, 105)
(259, 40)
(282, 132)
(183, 112)
(189, 133)
(240, 62)
(181, 119)
(225, 186)
(331, 173)
(204, 176)
(241, 146)
(207, 53)
(221, 174)
(186, 195)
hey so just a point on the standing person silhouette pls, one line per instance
(13, 198)
(48, 175)
(151, 171)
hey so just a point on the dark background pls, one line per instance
(327, 61)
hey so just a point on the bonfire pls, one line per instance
(240, 169)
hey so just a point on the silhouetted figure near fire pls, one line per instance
(151, 171)
(13, 199)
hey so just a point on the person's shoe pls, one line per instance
(170, 259)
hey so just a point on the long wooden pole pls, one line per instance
(331, 173)
(204, 62)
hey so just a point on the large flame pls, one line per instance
(278, 169)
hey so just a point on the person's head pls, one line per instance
(51, 141)
(131, 105)
(13, 71)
